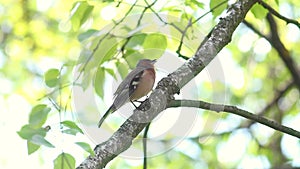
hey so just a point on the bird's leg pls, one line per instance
(134, 104)
(138, 101)
(141, 101)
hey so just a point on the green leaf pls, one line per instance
(28, 131)
(80, 12)
(31, 147)
(136, 40)
(133, 58)
(155, 41)
(194, 4)
(173, 9)
(100, 50)
(99, 82)
(70, 131)
(111, 72)
(86, 35)
(113, 50)
(51, 77)
(122, 69)
(154, 46)
(40, 140)
(86, 80)
(64, 161)
(258, 11)
(104, 52)
(72, 125)
(130, 53)
(83, 58)
(86, 147)
(38, 115)
(108, 0)
(199, 4)
(217, 11)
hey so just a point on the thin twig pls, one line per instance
(144, 10)
(182, 38)
(167, 23)
(237, 111)
(100, 41)
(278, 15)
(277, 97)
(93, 52)
(211, 10)
(282, 51)
(127, 3)
(249, 25)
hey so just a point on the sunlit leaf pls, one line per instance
(122, 69)
(51, 77)
(86, 147)
(85, 35)
(31, 147)
(38, 115)
(133, 58)
(40, 140)
(99, 82)
(199, 4)
(72, 125)
(64, 161)
(194, 4)
(258, 11)
(154, 46)
(86, 80)
(135, 41)
(218, 7)
(70, 131)
(80, 13)
(28, 131)
(111, 72)
(103, 52)
(83, 58)
(155, 41)
(113, 50)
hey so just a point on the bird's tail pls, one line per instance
(108, 112)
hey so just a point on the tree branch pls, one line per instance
(283, 52)
(249, 25)
(237, 111)
(278, 15)
(167, 87)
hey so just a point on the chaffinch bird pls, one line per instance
(138, 83)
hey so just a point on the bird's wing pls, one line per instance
(135, 82)
(124, 85)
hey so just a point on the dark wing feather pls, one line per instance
(127, 81)
(135, 82)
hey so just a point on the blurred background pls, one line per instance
(43, 40)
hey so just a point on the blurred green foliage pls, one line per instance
(42, 42)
